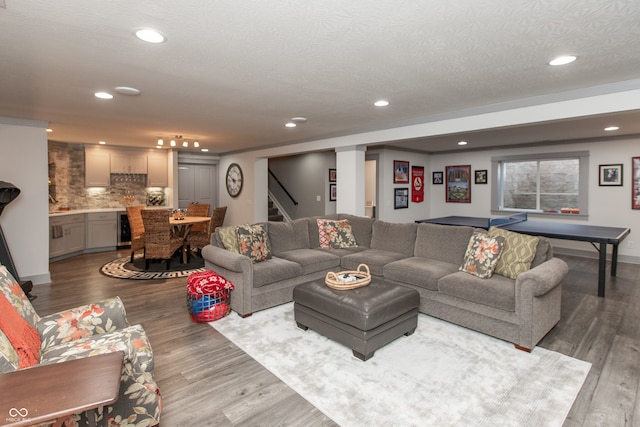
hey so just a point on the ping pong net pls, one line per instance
(508, 220)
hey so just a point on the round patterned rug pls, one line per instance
(123, 268)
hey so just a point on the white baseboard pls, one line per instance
(594, 254)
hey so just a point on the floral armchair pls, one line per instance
(84, 332)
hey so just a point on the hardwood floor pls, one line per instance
(206, 380)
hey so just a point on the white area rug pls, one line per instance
(442, 375)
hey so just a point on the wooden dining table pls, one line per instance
(181, 228)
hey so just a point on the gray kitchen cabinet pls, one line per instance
(97, 167)
(128, 162)
(157, 169)
(101, 230)
(66, 234)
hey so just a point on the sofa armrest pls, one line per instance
(544, 277)
(236, 268)
(139, 400)
(92, 319)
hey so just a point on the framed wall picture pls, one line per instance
(417, 184)
(400, 172)
(400, 198)
(332, 192)
(332, 175)
(480, 176)
(635, 187)
(610, 175)
(458, 184)
(437, 178)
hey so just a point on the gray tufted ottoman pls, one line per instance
(363, 319)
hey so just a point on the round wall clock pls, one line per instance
(234, 180)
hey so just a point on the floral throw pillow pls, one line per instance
(335, 234)
(481, 257)
(253, 241)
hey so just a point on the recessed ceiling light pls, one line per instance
(103, 95)
(124, 90)
(149, 35)
(204, 150)
(49, 130)
(291, 125)
(462, 142)
(611, 128)
(562, 60)
(299, 119)
(101, 142)
(381, 103)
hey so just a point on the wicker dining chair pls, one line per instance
(137, 228)
(199, 239)
(198, 209)
(159, 241)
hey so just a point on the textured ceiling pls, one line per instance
(232, 73)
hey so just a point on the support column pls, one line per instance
(350, 170)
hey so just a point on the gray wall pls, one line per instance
(306, 177)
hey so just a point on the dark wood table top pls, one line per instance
(46, 392)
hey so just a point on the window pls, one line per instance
(546, 183)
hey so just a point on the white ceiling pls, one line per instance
(231, 74)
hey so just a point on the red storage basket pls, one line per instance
(208, 296)
(208, 307)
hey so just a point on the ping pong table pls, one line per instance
(519, 223)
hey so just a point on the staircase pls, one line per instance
(274, 214)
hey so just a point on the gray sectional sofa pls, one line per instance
(424, 257)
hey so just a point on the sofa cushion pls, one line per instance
(341, 252)
(361, 227)
(498, 291)
(335, 234)
(544, 252)
(442, 242)
(400, 238)
(9, 360)
(517, 254)
(375, 259)
(419, 271)
(253, 241)
(481, 257)
(287, 236)
(274, 270)
(11, 289)
(312, 260)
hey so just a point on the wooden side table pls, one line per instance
(47, 392)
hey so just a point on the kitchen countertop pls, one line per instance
(98, 210)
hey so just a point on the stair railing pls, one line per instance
(277, 204)
(283, 188)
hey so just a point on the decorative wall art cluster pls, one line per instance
(332, 185)
(611, 175)
(458, 181)
(402, 174)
